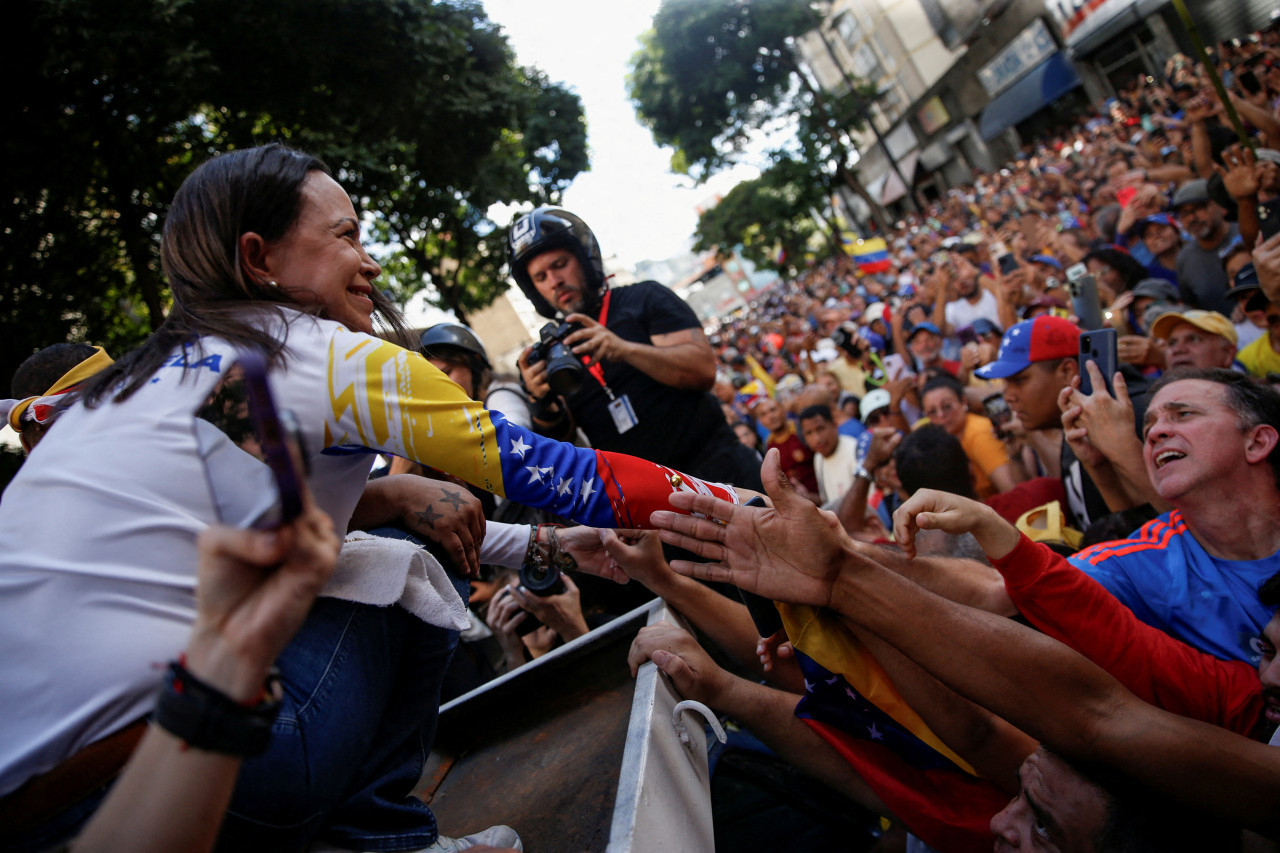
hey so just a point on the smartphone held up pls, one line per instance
(252, 450)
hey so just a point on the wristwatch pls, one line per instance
(863, 474)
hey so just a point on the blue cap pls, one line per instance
(1043, 338)
(1137, 229)
(926, 326)
(983, 326)
(1047, 259)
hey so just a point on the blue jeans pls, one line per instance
(362, 696)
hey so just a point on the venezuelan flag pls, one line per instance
(871, 255)
(850, 702)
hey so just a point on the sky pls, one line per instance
(638, 209)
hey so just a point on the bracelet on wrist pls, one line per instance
(204, 717)
(544, 561)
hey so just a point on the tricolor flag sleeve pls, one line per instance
(850, 702)
(383, 397)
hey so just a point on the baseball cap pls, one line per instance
(983, 326)
(1140, 227)
(1043, 339)
(923, 327)
(875, 311)
(1047, 259)
(1246, 278)
(876, 398)
(1157, 288)
(1208, 321)
(1192, 192)
(926, 326)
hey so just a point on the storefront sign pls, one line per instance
(1032, 46)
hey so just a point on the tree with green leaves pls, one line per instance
(769, 217)
(713, 73)
(418, 106)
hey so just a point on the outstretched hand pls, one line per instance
(589, 552)
(674, 651)
(932, 510)
(637, 554)
(790, 552)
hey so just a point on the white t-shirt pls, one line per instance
(961, 312)
(835, 472)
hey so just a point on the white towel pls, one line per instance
(381, 571)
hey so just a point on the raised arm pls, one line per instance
(790, 552)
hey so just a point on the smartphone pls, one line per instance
(1268, 219)
(275, 429)
(1084, 302)
(764, 613)
(998, 411)
(1008, 263)
(248, 447)
(1249, 82)
(1098, 346)
(966, 335)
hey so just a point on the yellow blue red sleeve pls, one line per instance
(383, 397)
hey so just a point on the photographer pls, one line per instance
(647, 368)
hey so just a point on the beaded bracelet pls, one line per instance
(206, 718)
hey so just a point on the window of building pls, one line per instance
(848, 28)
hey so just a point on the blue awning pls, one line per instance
(1042, 85)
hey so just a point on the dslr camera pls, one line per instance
(565, 371)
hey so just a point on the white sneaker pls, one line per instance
(494, 836)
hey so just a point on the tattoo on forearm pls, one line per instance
(429, 516)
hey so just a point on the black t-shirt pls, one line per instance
(674, 427)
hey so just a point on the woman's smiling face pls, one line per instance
(321, 255)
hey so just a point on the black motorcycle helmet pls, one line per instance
(456, 342)
(552, 228)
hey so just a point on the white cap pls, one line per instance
(877, 398)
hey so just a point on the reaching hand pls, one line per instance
(884, 441)
(585, 546)
(638, 555)
(1239, 176)
(931, 510)
(791, 551)
(1139, 349)
(447, 514)
(1266, 259)
(778, 646)
(674, 651)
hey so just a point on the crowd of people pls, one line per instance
(1027, 591)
